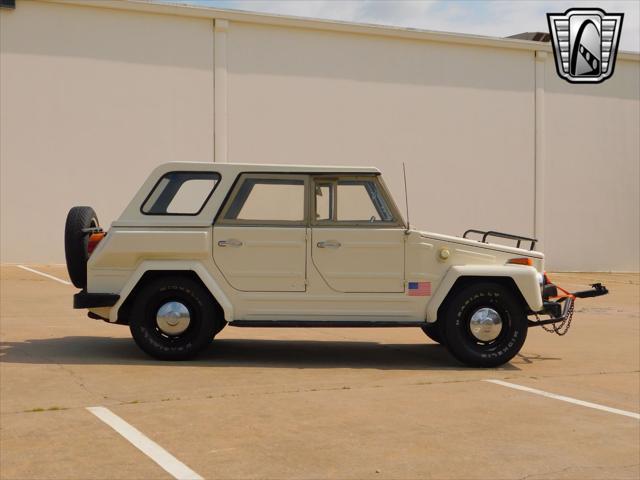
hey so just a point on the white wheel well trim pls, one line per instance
(525, 278)
(178, 266)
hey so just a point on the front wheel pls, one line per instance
(174, 318)
(485, 325)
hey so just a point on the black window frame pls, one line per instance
(195, 175)
(270, 178)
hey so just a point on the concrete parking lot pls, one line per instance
(316, 403)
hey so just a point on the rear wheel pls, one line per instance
(485, 325)
(174, 318)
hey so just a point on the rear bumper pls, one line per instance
(84, 299)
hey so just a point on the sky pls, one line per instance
(498, 18)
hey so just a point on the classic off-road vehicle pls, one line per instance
(204, 245)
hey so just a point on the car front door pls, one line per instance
(358, 238)
(259, 239)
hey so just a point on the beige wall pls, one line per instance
(592, 208)
(460, 117)
(91, 100)
(463, 119)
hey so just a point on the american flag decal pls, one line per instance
(419, 289)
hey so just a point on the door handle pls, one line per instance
(232, 242)
(329, 244)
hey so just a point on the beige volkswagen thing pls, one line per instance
(203, 245)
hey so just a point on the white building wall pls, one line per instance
(461, 117)
(592, 192)
(91, 100)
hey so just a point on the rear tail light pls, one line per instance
(94, 240)
(521, 261)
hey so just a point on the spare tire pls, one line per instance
(76, 242)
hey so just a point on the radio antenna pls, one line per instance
(406, 196)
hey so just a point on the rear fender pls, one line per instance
(524, 277)
(177, 266)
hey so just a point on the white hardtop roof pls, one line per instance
(133, 216)
(236, 168)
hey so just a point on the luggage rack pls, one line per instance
(491, 233)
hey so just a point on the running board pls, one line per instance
(325, 323)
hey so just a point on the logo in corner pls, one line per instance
(585, 43)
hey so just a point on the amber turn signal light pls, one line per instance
(521, 261)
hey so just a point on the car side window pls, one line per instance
(324, 201)
(180, 193)
(361, 201)
(351, 201)
(266, 199)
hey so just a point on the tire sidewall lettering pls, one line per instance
(457, 330)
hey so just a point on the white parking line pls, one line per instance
(43, 274)
(566, 399)
(151, 449)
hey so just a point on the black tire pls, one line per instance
(464, 345)
(204, 318)
(432, 330)
(76, 242)
(219, 325)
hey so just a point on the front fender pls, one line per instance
(525, 278)
(155, 265)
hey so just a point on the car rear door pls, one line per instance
(260, 236)
(358, 238)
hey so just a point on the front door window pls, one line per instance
(355, 201)
(361, 201)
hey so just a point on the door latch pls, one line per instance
(230, 243)
(329, 244)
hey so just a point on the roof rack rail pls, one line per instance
(509, 236)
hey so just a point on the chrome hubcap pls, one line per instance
(173, 318)
(485, 324)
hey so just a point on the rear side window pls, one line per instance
(268, 200)
(180, 193)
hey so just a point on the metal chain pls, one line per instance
(563, 327)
